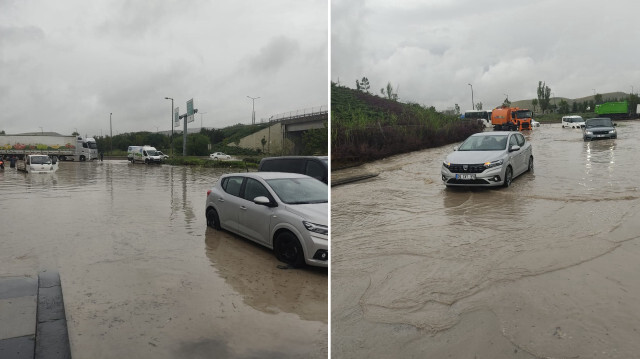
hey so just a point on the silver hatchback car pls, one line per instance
(488, 159)
(286, 212)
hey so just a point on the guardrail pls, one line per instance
(306, 112)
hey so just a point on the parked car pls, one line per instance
(488, 159)
(535, 123)
(314, 166)
(572, 122)
(219, 156)
(162, 155)
(287, 212)
(599, 128)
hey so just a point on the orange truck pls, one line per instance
(511, 119)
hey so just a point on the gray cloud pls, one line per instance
(433, 49)
(70, 64)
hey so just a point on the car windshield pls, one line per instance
(300, 190)
(484, 143)
(40, 160)
(599, 122)
(152, 152)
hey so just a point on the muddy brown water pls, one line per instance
(548, 268)
(143, 276)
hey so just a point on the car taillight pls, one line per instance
(208, 193)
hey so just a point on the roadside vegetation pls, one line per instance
(365, 127)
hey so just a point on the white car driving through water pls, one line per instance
(488, 159)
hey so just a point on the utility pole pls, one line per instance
(473, 105)
(111, 134)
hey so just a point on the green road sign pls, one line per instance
(190, 107)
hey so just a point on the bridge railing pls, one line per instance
(306, 112)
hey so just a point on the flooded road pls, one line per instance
(547, 268)
(144, 277)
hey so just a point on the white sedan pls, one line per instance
(219, 156)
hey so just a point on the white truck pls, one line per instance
(37, 164)
(146, 154)
(74, 148)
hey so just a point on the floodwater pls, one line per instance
(144, 277)
(548, 268)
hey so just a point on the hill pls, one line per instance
(365, 127)
(610, 96)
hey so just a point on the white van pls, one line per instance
(146, 154)
(38, 164)
(572, 122)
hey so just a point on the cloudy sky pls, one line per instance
(66, 65)
(432, 49)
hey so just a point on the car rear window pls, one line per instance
(293, 165)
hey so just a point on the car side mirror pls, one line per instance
(615, 124)
(455, 148)
(514, 148)
(264, 201)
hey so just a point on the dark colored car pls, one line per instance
(312, 166)
(599, 128)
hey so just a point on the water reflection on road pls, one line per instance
(142, 275)
(542, 269)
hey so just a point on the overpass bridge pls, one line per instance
(284, 135)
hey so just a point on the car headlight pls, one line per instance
(493, 164)
(446, 164)
(613, 131)
(588, 132)
(316, 228)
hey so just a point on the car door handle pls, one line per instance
(220, 199)
(243, 208)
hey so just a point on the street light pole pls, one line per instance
(473, 106)
(171, 139)
(111, 134)
(201, 113)
(253, 109)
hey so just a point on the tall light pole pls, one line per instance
(171, 139)
(473, 106)
(253, 109)
(111, 134)
(201, 113)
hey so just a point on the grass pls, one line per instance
(365, 127)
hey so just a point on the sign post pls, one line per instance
(188, 117)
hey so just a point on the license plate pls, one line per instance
(466, 177)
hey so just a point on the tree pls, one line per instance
(75, 133)
(479, 106)
(563, 107)
(457, 109)
(263, 141)
(506, 102)
(598, 99)
(544, 95)
(534, 103)
(364, 85)
(574, 107)
(389, 92)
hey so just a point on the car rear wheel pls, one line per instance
(213, 220)
(508, 177)
(287, 249)
(530, 168)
